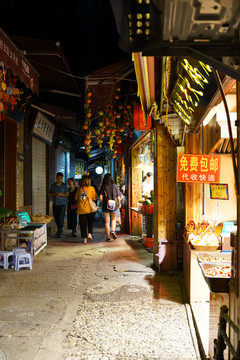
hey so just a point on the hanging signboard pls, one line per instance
(198, 168)
(43, 128)
(194, 88)
(219, 191)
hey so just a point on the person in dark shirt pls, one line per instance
(59, 192)
(72, 207)
(109, 190)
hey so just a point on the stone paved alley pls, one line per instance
(96, 301)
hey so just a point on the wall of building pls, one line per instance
(222, 210)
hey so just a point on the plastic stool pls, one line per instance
(23, 260)
(4, 261)
(19, 250)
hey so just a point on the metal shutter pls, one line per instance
(61, 162)
(39, 196)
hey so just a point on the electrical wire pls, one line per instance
(113, 78)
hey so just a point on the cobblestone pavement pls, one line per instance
(96, 301)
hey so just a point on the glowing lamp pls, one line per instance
(99, 170)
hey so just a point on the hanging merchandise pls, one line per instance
(139, 121)
(119, 148)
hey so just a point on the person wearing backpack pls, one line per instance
(109, 195)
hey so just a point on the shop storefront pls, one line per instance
(209, 204)
(207, 170)
(142, 188)
(43, 132)
(19, 82)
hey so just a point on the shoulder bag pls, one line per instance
(110, 203)
(93, 206)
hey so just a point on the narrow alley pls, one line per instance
(101, 300)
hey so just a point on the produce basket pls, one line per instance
(215, 284)
(44, 219)
(205, 247)
(147, 209)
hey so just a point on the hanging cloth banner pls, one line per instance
(198, 168)
(12, 58)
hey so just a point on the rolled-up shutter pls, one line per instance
(39, 196)
(61, 162)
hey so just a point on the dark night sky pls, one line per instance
(85, 28)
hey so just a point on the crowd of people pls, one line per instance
(80, 209)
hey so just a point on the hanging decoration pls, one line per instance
(13, 93)
(115, 123)
(87, 123)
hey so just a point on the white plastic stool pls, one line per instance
(19, 250)
(23, 260)
(4, 259)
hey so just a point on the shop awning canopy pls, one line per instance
(13, 59)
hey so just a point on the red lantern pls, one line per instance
(119, 148)
(138, 119)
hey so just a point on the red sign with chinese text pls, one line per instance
(198, 168)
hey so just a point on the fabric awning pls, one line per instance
(12, 58)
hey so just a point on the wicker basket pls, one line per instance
(205, 247)
(44, 219)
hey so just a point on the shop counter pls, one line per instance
(204, 302)
(149, 221)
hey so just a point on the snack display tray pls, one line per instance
(226, 256)
(215, 284)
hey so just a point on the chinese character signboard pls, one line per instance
(198, 168)
(219, 191)
(193, 89)
(43, 128)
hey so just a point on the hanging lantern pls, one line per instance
(119, 148)
(138, 119)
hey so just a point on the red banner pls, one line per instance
(198, 168)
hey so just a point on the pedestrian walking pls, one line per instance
(59, 192)
(85, 193)
(109, 192)
(72, 207)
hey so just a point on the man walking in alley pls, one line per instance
(59, 192)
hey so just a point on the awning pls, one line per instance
(144, 69)
(13, 59)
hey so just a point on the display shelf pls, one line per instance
(35, 235)
(215, 284)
